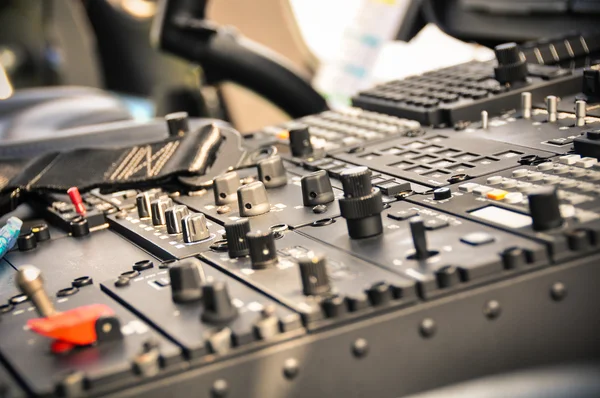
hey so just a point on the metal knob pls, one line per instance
(271, 172)
(313, 273)
(142, 202)
(263, 253)
(316, 189)
(194, 228)
(235, 233)
(187, 277)
(253, 200)
(225, 188)
(173, 216)
(159, 207)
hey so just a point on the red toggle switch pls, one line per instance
(76, 200)
(78, 327)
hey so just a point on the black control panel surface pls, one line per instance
(445, 228)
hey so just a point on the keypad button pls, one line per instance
(403, 214)
(567, 211)
(525, 187)
(534, 176)
(592, 176)
(567, 183)
(496, 194)
(544, 166)
(519, 173)
(394, 188)
(560, 169)
(513, 197)
(569, 159)
(468, 187)
(494, 180)
(481, 190)
(477, 238)
(577, 172)
(434, 223)
(507, 183)
(551, 179)
(586, 187)
(586, 162)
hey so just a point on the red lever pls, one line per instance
(75, 197)
(71, 328)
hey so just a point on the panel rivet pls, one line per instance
(558, 291)
(492, 309)
(290, 368)
(220, 389)
(360, 348)
(427, 327)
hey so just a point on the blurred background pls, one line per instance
(338, 46)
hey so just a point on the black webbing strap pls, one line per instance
(119, 168)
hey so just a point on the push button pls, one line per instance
(477, 238)
(468, 187)
(403, 214)
(497, 194)
(434, 224)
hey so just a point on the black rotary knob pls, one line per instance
(261, 245)
(271, 172)
(442, 193)
(300, 144)
(235, 233)
(511, 67)
(177, 123)
(253, 199)
(225, 188)
(316, 189)
(41, 232)
(218, 308)
(514, 258)
(380, 293)
(544, 209)
(578, 239)
(186, 280)
(447, 276)
(26, 241)
(362, 205)
(356, 182)
(194, 228)
(313, 273)
(79, 227)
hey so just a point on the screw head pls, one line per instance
(360, 348)
(427, 328)
(220, 388)
(492, 309)
(290, 368)
(558, 291)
